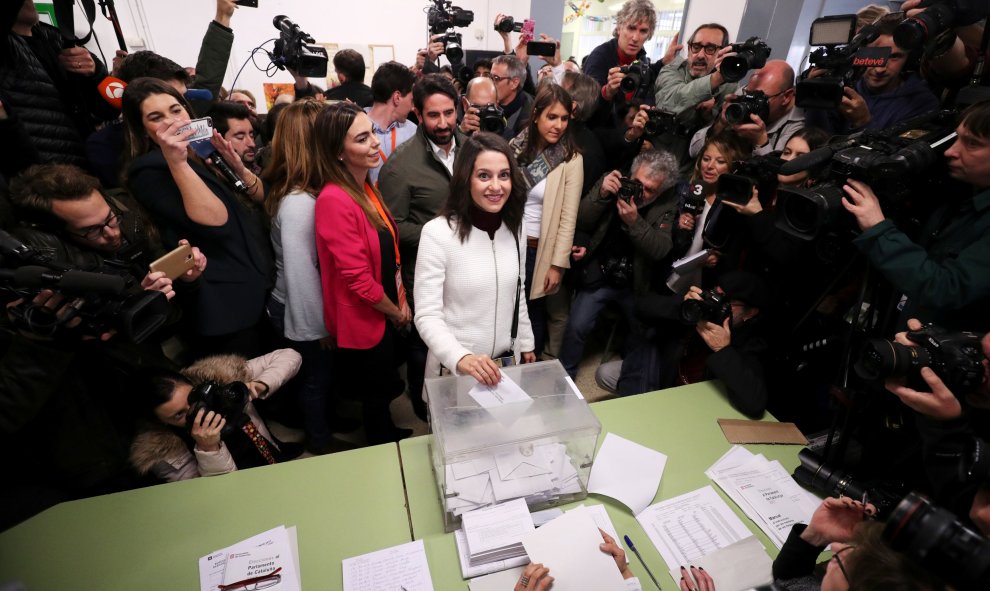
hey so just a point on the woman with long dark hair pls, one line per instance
(187, 199)
(470, 309)
(364, 303)
(553, 173)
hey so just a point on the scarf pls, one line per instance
(542, 165)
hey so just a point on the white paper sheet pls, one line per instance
(497, 527)
(272, 543)
(569, 547)
(505, 391)
(468, 571)
(503, 581)
(627, 472)
(398, 568)
(737, 567)
(689, 526)
(604, 522)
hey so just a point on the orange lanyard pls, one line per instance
(385, 218)
(382, 152)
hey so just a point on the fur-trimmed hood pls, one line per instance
(219, 368)
(156, 444)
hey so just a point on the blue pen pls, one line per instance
(641, 561)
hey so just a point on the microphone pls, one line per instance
(805, 161)
(112, 90)
(70, 281)
(204, 148)
(198, 94)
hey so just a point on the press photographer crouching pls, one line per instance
(623, 229)
(205, 423)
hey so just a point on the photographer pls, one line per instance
(775, 82)
(480, 94)
(172, 449)
(884, 96)
(945, 277)
(508, 74)
(618, 242)
(693, 88)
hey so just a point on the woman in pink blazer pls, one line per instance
(363, 300)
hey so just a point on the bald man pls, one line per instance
(776, 81)
(480, 93)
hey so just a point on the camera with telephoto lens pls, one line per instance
(842, 56)
(936, 539)
(508, 25)
(754, 102)
(817, 477)
(893, 162)
(630, 191)
(297, 51)
(441, 19)
(104, 300)
(226, 400)
(955, 357)
(713, 307)
(751, 55)
(637, 76)
(940, 16)
(492, 118)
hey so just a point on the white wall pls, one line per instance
(727, 13)
(174, 28)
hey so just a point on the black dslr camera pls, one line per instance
(630, 191)
(296, 50)
(815, 475)
(227, 400)
(492, 118)
(661, 123)
(941, 15)
(713, 307)
(751, 55)
(956, 357)
(441, 18)
(935, 538)
(752, 103)
(637, 76)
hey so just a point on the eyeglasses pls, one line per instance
(93, 232)
(253, 584)
(496, 78)
(710, 48)
(838, 561)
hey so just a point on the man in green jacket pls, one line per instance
(945, 278)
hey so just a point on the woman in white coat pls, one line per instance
(470, 305)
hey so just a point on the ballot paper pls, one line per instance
(737, 567)
(690, 526)
(604, 522)
(505, 401)
(399, 567)
(270, 558)
(767, 494)
(495, 533)
(503, 581)
(627, 471)
(569, 547)
(468, 571)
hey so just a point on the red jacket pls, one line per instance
(350, 270)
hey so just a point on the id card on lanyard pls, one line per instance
(392, 151)
(399, 288)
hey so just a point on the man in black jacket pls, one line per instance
(349, 65)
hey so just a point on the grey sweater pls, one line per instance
(297, 284)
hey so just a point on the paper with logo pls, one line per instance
(265, 561)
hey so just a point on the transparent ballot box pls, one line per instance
(532, 437)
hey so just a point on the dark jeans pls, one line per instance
(315, 381)
(416, 352)
(587, 305)
(538, 307)
(372, 376)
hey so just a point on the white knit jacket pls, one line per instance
(464, 294)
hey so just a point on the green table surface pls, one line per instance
(680, 422)
(342, 505)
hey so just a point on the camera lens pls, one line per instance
(631, 82)
(692, 311)
(737, 113)
(883, 359)
(733, 68)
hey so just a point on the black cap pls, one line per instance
(746, 287)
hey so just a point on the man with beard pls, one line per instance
(415, 183)
(233, 121)
(693, 88)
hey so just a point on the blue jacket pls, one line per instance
(910, 99)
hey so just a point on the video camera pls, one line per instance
(104, 301)
(750, 55)
(941, 15)
(295, 50)
(758, 172)
(441, 19)
(226, 400)
(637, 78)
(937, 540)
(508, 25)
(891, 161)
(842, 55)
(956, 358)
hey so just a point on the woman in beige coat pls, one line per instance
(553, 172)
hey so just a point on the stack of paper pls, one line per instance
(494, 534)
(402, 567)
(268, 560)
(537, 472)
(765, 492)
